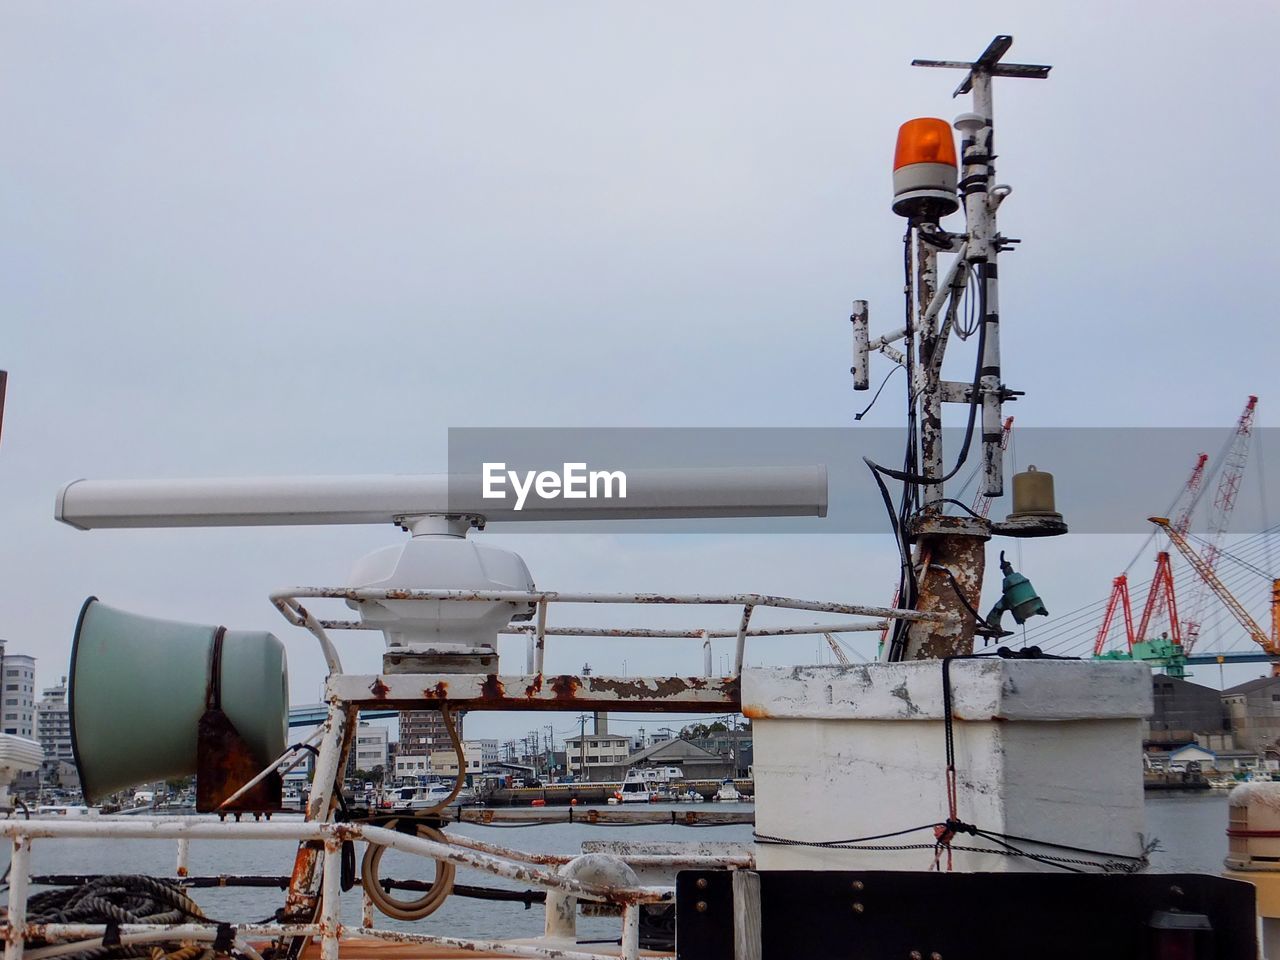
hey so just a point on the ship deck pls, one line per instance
(371, 948)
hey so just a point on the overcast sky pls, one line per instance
(299, 238)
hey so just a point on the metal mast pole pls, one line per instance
(930, 397)
(980, 203)
(949, 552)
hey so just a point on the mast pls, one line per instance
(943, 556)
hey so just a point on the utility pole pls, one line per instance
(582, 747)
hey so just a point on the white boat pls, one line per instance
(639, 787)
(68, 811)
(728, 792)
(429, 795)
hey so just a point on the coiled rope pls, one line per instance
(114, 900)
(442, 885)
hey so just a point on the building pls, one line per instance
(1253, 708)
(370, 751)
(1192, 753)
(423, 731)
(409, 766)
(53, 725)
(444, 763)
(695, 762)
(606, 756)
(734, 747)
(1184, 712)
(19, 693)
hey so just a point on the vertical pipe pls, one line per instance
(184, 854)
(366, 910)
(740, 653)
(981, 218)
(19, 872)
(861, 346)
(931, 371)
(560, 919)
(328, 763)
(540, 644)
(631, 931)
(706, 655)
(331, 900)
(529, 642)
(304, 883)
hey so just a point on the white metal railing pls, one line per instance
(540, 870)
(288, 603)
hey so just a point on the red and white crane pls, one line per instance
(1160, 595)
(1224, 501)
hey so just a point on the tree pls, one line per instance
(718, 727)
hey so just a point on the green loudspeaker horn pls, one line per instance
(156, 699)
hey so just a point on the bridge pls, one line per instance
(1235, 656)
(313, 714)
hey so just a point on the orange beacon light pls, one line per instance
(924, 170)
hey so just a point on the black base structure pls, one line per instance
(966, 916)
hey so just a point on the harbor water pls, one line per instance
(1190, 827)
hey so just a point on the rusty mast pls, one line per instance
(943, 555)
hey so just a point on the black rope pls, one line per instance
(1111, 862)
(112, 900)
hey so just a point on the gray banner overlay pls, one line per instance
(1107, 480)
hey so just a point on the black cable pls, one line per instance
(867, 408)
(967, 509)
(963, 455)
(981, 624)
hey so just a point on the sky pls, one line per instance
(309, 238)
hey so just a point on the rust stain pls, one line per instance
(535, 688)
(346, 831)
(439, 692)
(379, 689)
(641, 689)
(492, 688)
(698, 683)
(566, 686)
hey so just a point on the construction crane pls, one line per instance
(1161, 592)
(1224, 501)
(1119, 600)
(1270, 644)
(838, 650)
